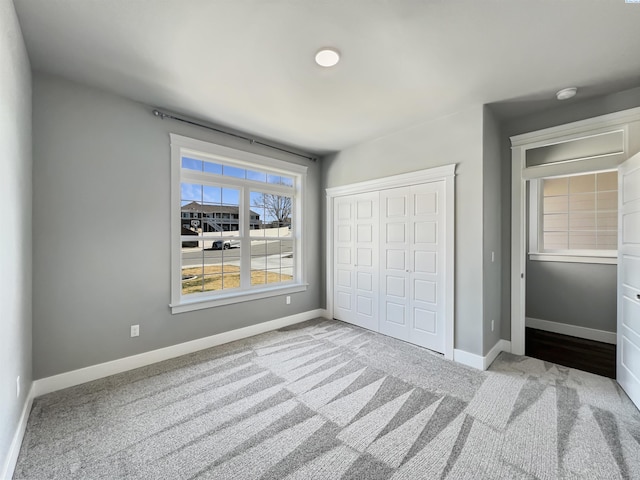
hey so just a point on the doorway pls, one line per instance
(571, 283)
(594, 145)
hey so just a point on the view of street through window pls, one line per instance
(213, 261)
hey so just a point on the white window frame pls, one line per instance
(536, 244)
(210, 152)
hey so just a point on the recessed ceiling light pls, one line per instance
(327, 57)
(566, 93)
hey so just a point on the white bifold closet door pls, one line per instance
(389, 259)
(355, 282)
(412, 243)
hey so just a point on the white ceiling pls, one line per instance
(248, 64)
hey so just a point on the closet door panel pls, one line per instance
(411, 251)
(343, 252)
(426, 257)
(356, 259)
(394, 259)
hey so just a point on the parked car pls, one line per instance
(225, 244)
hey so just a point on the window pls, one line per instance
(240, 225)
(575, 218)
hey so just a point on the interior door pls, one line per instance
(628, 351)
(412, 245)
(356, 259)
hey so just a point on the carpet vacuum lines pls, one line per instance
(326, 400)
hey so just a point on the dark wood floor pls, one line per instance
(587, 355)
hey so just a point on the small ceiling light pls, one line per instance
(566, 93)
(327, 57)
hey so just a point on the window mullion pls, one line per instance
(245, 233)
(537, 224)
(595, 212)
(192, 176)
(569, 212)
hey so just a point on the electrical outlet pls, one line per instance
(288, 300)
(492, 325)
(18, 387)
(135, 330)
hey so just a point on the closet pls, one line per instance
(392, 256)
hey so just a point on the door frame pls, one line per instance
(627, 121)
(446, 174)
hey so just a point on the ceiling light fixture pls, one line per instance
(566, 93)
(327, 57)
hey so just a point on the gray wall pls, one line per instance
(580, 294)
(456, 139)
(102, 233)
(491, 231)
(601, 287)
(15, 211)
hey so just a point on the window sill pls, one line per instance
(561, 257)
(236, 297)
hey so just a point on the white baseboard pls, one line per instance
(14, 450)
(468, 359)
(94, 372)
(501, 346)
(572, 330)
(478, 361)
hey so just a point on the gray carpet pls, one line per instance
(324, 400)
